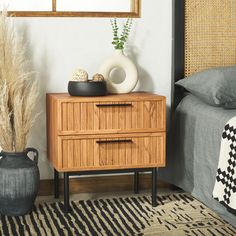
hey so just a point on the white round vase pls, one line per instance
(119, 60)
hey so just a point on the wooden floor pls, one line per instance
(105, 183)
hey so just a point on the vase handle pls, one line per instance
(36, 154)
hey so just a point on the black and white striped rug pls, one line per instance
(177, 214)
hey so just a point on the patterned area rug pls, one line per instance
(177, 214)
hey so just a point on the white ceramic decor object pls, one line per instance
(131, 74)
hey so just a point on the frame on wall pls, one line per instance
(135, 12)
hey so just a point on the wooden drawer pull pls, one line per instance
(114, 141)
(114, 105)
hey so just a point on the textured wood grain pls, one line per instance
(64, 116)
(73, 14)
(75, 125)
(54, 5)
(137, 117)
(113, 154)
(52, 145)
(134, 12)
(135, 96)
(77, 118)
(70, 116)
(100, 184)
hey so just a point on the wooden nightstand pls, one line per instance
(115, 133)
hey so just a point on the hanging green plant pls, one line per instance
(120, 40)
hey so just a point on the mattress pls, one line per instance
(196, 147)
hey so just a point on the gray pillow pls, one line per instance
(215, 86)
(230, 105)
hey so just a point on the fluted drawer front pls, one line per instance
(115, 152)
(138, 116)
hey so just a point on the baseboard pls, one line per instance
(97, 184)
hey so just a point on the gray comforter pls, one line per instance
(197, 136)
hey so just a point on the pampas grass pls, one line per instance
(19, 89)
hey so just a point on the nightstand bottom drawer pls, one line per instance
(110, 153)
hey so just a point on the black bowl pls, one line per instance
(87, 89)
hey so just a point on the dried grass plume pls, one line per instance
(18, 89)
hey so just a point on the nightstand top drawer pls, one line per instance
(112, 117)
(134, 112)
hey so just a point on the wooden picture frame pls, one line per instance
(135, 12)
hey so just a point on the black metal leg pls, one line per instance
(56, 184)
(136, 182)
(66, 193)
(154, 187)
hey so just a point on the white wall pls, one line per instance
(60, 45)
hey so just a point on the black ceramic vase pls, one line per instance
(19, 182)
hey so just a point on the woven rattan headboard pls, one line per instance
(210, 34)
(204, 37)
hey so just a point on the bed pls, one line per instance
(197, 137)
(204, 38)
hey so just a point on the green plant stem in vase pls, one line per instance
(119, 41)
